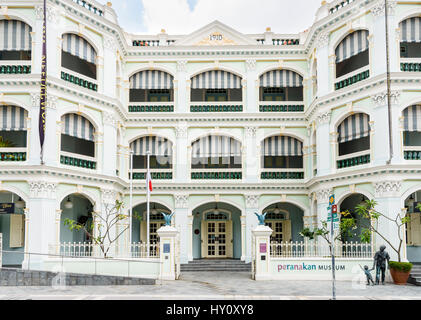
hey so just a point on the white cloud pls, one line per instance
(246, 16)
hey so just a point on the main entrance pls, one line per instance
(217, 239)
(216, 232)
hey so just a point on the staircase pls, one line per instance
(222, 265)
(415, 276)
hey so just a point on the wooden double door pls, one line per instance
(217, 240)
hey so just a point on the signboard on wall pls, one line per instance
(7, 208)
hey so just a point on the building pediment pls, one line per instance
(215, 34)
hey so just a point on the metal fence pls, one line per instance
(295, 249)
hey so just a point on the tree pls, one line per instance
(100, 232)
(367, 210)
(347, 225)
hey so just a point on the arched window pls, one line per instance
(216, 86)
(13, 133)
(412, 132)
(281, 85)
(216, 151)
(354, 134)
(160, 152)
(15, 40)
(352, 53)
(151, 86)
(282, 152)
(78, 55)
(77, 140)
(410, 45)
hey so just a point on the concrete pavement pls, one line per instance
(217, 285)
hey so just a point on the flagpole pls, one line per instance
(147, 203)
(131, 199)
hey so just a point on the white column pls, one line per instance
(108, 198)
(251, 155)
(322, 56)
(251, 100)
(387, 195)
(252, 206)
(109, 152)
(41, 215)
(182, 224)
(109, 81)
(180, 88)
(180, 160)
(380, 140)
(261, 243)
(50, 137)
(167, 241)
(324, 165)
(378, 61)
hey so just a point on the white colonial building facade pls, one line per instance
(235, 124)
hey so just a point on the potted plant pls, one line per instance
(398, 270)
(5, 143)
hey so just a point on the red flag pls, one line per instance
(149, 181)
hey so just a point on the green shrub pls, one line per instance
(400, 266)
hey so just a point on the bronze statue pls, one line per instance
(261, 218)
(167, 218)
(380, 263)
(368, 274)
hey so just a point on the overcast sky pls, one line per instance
(186, 16)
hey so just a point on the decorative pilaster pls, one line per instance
(251, 64)
(322, 195)
(322, 40)
(324, 118)
(42, 189)
(181, 65)
(387, 189)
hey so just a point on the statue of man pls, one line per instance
(380, 263)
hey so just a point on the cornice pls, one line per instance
(373, 175)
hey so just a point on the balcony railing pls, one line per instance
(79, 81)
(348, 80)
(352, 160)
(157, 174)
(411, 64)
(15, 69)
(295, 249)
(152, 107)
(284, 106)
(12, 154)
(338, 5)
(87, 249)
(89, 6)
(412, 154)
(216, 107)
(285, 42)
(145, 43)
(271, 175)
(218, 175)
(76, 160)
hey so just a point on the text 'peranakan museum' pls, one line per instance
(235, 124)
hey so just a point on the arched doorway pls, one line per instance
(156, 221)
(78, 208)
(413, 227)
(12, 228)
(216, 231)
(349, 204)
(286, 221)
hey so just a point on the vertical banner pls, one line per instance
(43, 94)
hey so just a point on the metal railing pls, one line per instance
(87, 249)
(296, 249)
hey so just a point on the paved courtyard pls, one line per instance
(216, 285)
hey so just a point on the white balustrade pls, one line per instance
(87, 249)
(295, 249)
